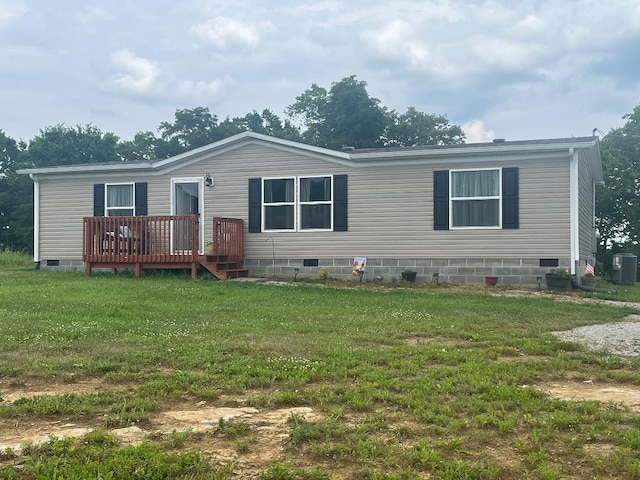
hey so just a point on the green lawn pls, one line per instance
(420, 382)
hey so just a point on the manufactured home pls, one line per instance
(262, 206)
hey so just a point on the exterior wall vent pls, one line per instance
(348, 149)
(549, 262)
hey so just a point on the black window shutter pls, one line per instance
(340, 207)
(510, 198)
(98, 199)
(441, 200)
(141, 198)
(255, 205)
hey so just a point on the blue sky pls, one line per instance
(520, 69)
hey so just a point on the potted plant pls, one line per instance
(409, 275)
(588, 280)
(558, 279)
(490, 280)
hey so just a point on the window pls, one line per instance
(122, 199)
(315, 203)
(119, 200)
(481, 198)
(298, 204)
(279, 204)
(475, 198)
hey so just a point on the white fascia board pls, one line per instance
(197, 154)
(87, 167)
(381, 157)
(248, 138)
(475, 150)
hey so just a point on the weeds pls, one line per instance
(233, 428)
(12, 259)
(404, 383)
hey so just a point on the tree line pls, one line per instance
(343, 115)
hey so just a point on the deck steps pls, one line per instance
(223, 267)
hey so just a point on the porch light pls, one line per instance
(208, 180)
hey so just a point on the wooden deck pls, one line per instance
(163, 242)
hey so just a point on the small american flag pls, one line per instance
(589, 267)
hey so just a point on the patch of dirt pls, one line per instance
(10, 393)
(269, 429)
(627, 395)
(444, 341)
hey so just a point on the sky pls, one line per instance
(514, 69)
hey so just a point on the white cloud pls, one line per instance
(133, 74)
(203, 89)
(397, 39)
(530, 24)
(226, 32)
(401, 42)
(504, 53)
(476, 132)
(10, 10)
(526, 68)
(495, 12)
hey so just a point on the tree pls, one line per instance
(8, 154)
(344, 116)
(618, 204)
(310, 108)
(347, 116)
(414, 128)
(266, 123)
(192, 128)
(16, 198)
(16, 212)
(143, 147)
(62, 145)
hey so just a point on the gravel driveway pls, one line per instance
(620, 338)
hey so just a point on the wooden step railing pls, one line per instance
(228, 238)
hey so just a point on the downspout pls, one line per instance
(574, 215)
(36, 219)
(594, 237)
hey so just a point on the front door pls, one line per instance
(186, 199)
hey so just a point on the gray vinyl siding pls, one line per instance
(390, 208)
(585, 211)
(63, 203)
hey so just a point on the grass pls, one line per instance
(407, 382)
(11, 259)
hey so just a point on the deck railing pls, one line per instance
(228, 238)
(147, 239)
